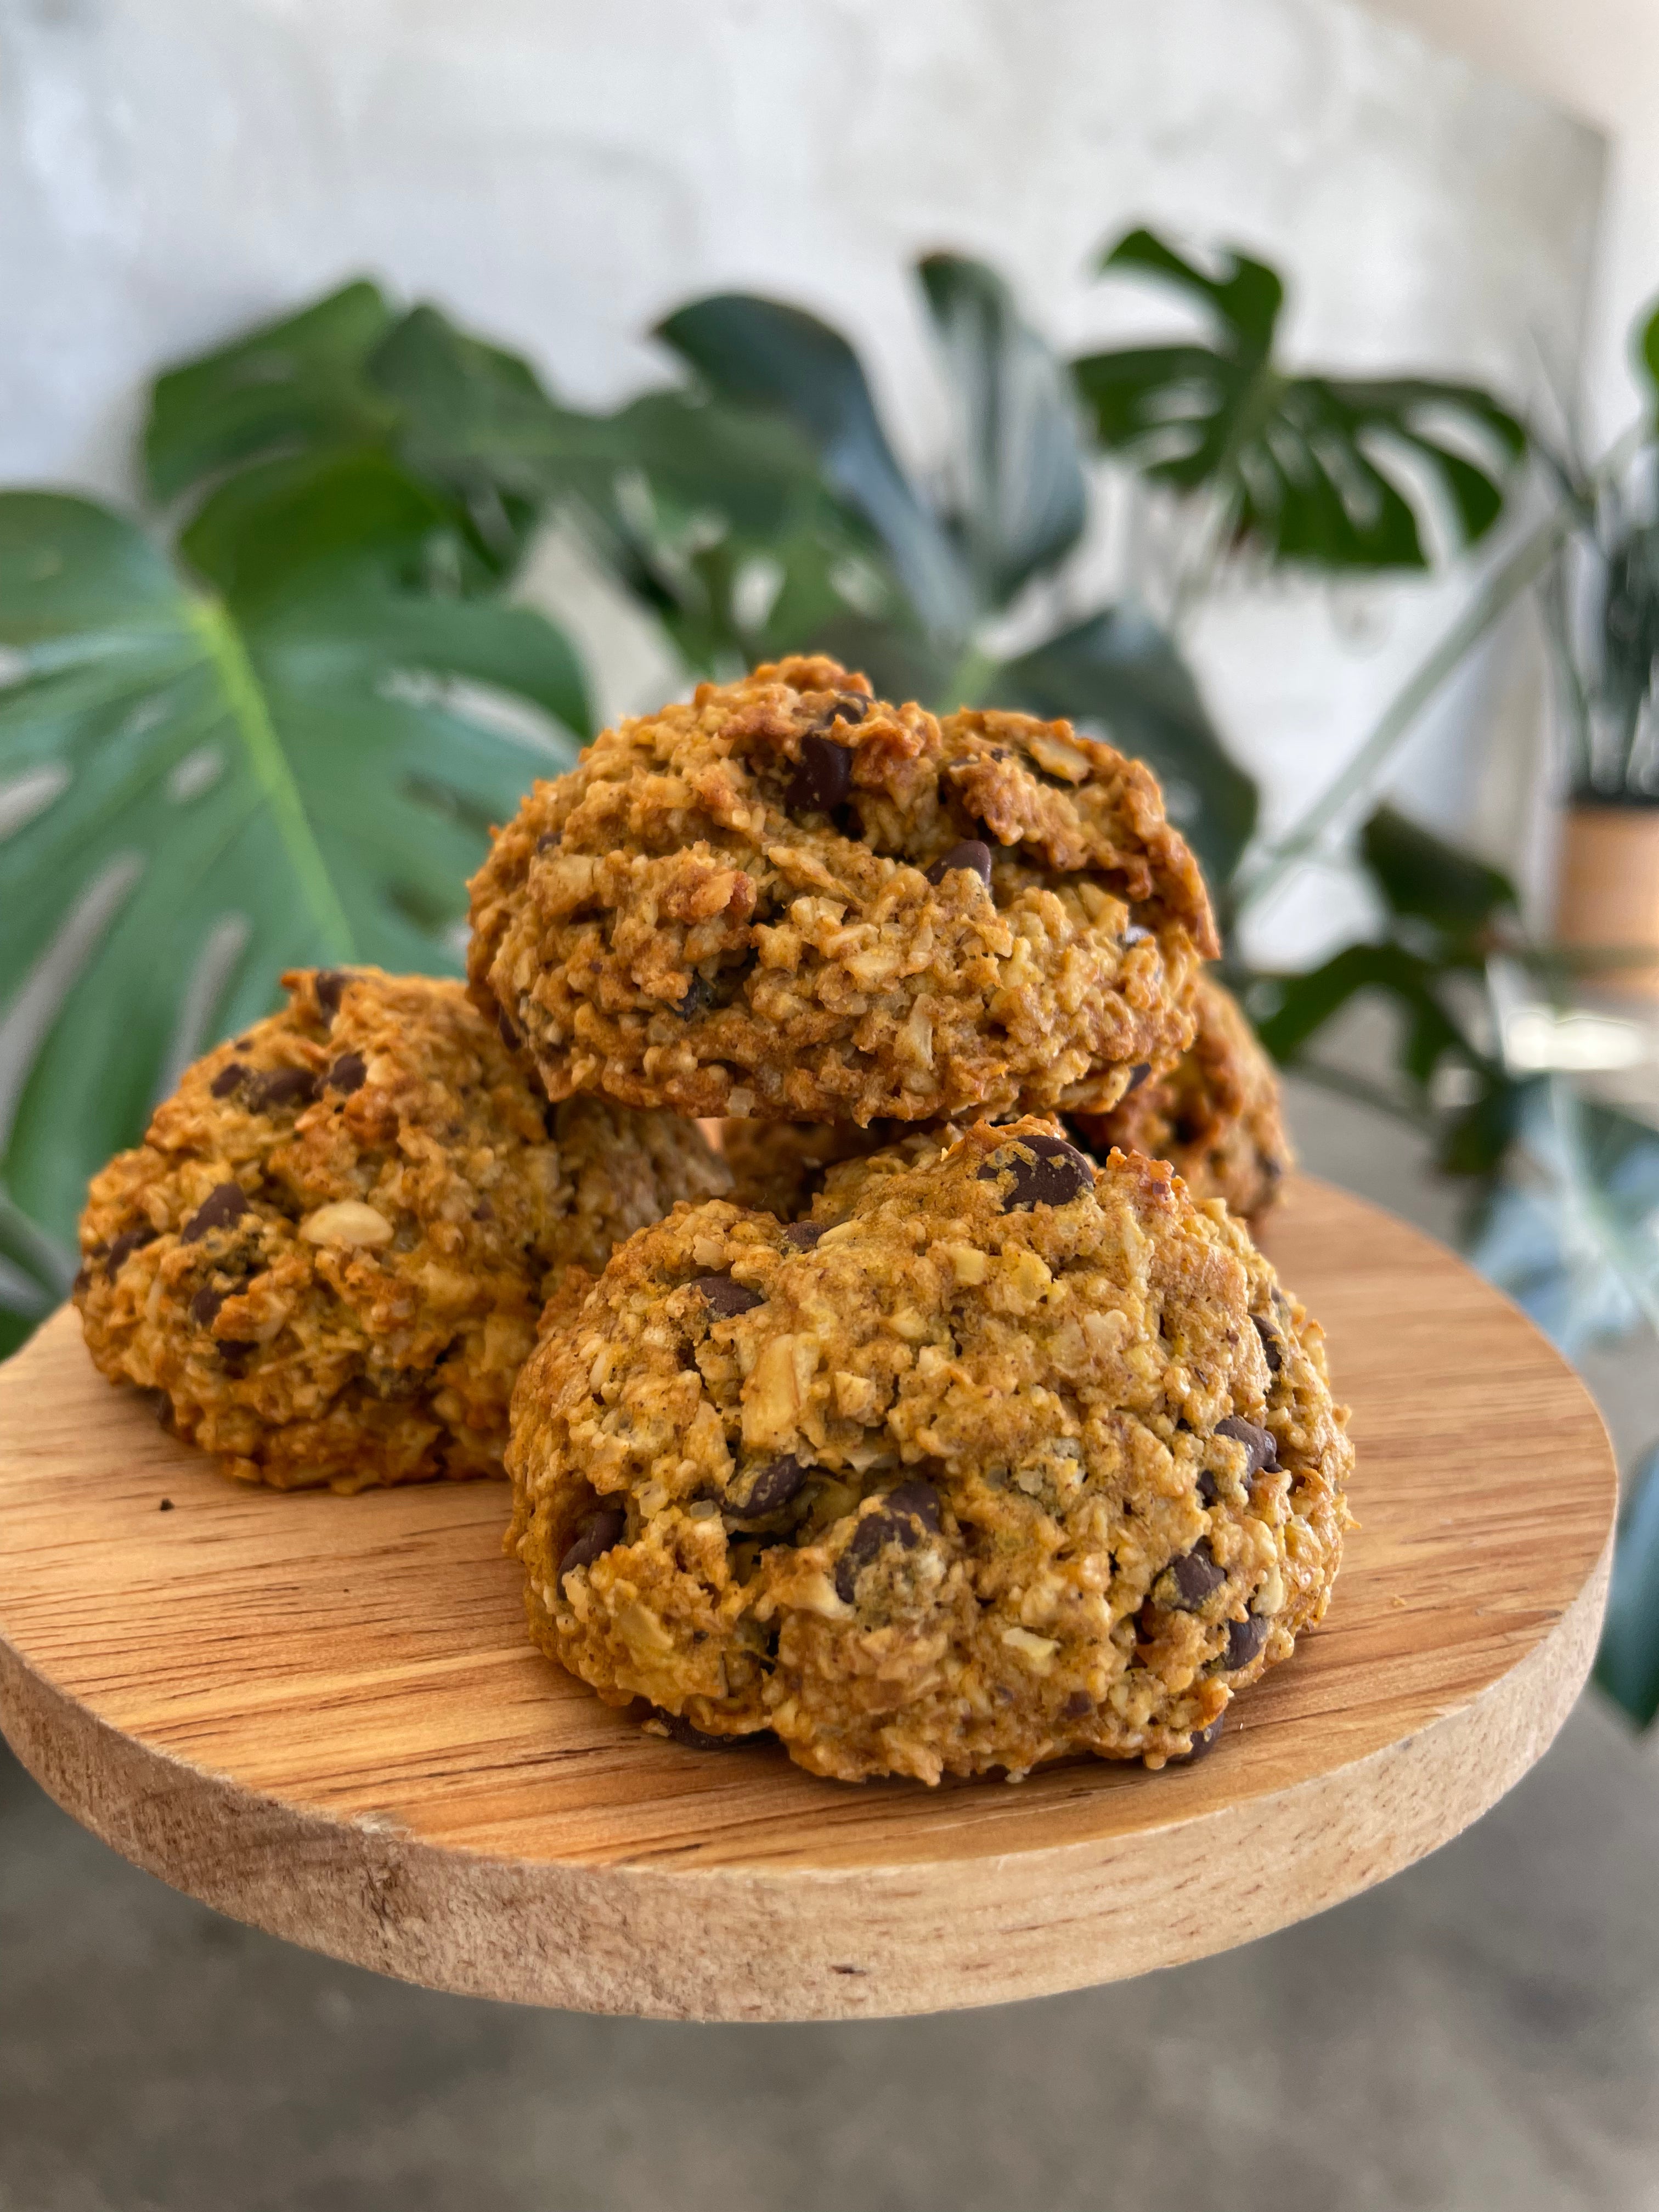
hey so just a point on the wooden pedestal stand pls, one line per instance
(322, 1716)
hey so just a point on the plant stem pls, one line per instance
(1498, 593)
(245, 700)
(1530, 559)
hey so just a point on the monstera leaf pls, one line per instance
(1307, 468)
(206, 787)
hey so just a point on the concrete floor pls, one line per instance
(1481, 2032)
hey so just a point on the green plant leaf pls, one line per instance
(1570, 1227)
(288, 386)
(1647, 354)
(1307, 468)
(1421, 875)
(1627, 1664)
(36, 1272)
(300, 771)
(1120, 674)
(758, 353)
(1020, 495)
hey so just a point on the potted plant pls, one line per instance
(1602, 599)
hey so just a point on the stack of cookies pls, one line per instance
(931, 1423)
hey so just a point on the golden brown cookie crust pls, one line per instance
(1216, 1116)
(725, 909)
(331, 1250)
(947, 1483)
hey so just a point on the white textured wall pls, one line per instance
(1599, 58)
(562, 173)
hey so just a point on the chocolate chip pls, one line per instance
(804, 1234)
(1245, 1638)
(161, 1406)
(724, 1298)
(121, 1247)
(348, 1073)
(227, 1078)
(234, 1358)
(166, 1505)
(1260, 1444)
(1207, 1490)
(205, 1307)
(894, 1521)
(1195, 1574)
(282, 1086)
(822, 778)
(1272, 1344)
(483, 1211)
(973, 856)
(596, 1532)
(547, 841)
(1058, 1173)
(681, 1731)
(920, 1498)
(1203, 1740)
(1077, 1707)
(82, 1282)
(217, 1210)
(773, 1488)
(1138, 1075)
(509, 1036)
(330, 985)
(699, 997)
(849, 706)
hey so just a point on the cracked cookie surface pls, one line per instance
(331, 1248)
(1215, 1116)
(1003, 1457)
(791, 901)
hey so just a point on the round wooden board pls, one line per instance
(321, 1714)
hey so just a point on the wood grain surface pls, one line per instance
(321, 1714)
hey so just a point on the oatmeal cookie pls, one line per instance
(1215, 1116)
(793, 901)
(330, 1251)
(1003, 1457)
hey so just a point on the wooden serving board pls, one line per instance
(321, 1714)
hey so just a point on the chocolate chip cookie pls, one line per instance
(1003, 1457)
(330, 1250)
(1215, 1116)
(791, 901)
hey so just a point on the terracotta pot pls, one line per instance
(1609, 891)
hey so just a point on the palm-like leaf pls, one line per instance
(1020, 496)
(226, 784)
(1307, 468)
(760, 354)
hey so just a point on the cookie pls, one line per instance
(1216, 1115)
(791, 901)
(779, 1167)
(1016, 1457)
(330, 1252)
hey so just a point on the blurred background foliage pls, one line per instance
(269, 720)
